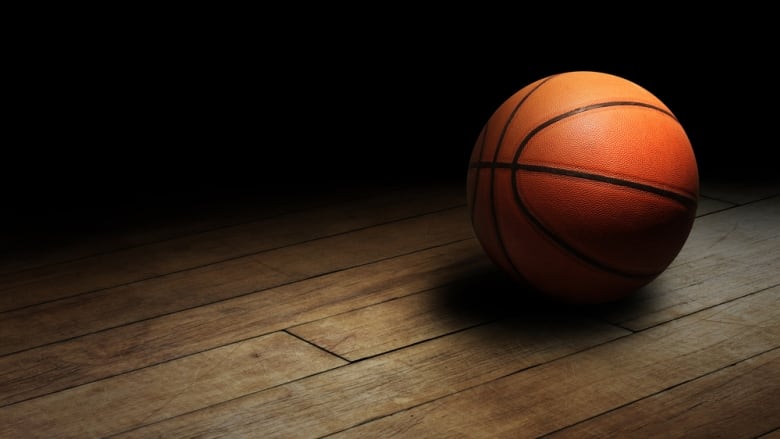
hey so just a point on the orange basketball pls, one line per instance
(583, 186)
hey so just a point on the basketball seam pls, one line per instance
(597, 261)
(505, 128)
(686, 201)
(527, 212)
(683, 196)
(580, 110)
(589, 261)
(560, 242)
(515, 167)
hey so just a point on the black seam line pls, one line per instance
(682, 199)
(597, 106)
(569, 248)
(496, 227)
(519, 201)
(560, 117)
(579, 110)
(685, 201)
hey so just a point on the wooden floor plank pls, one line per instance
(127, 401)
(728, 254)
(748, 223)
(774, 434)
(380, 328)
(707, 206)
(58, 366)
(396, 328)
(356, 393)
(111, 232)
(144, 262)
(739, 401)
(404, 321)
(563, 392)
(740, 192)
(112, 307)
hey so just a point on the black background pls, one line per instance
(140, 113)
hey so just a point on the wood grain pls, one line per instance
(146, 225)
(707, 206)
(740, 192)
(740, 399)
(728, 254)
(359, 319)
(100, 310)
(134, 264)
(399, 380)
(389, 325)
(577, 387)
(123, 402)
(774, 434)
(77, 361)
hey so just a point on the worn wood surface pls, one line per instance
(731, 401)
(376, 314)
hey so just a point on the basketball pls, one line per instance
(582, 186)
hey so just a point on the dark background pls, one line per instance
(116, 115)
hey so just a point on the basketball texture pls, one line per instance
(583, 186)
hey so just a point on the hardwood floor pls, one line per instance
(372, 312)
